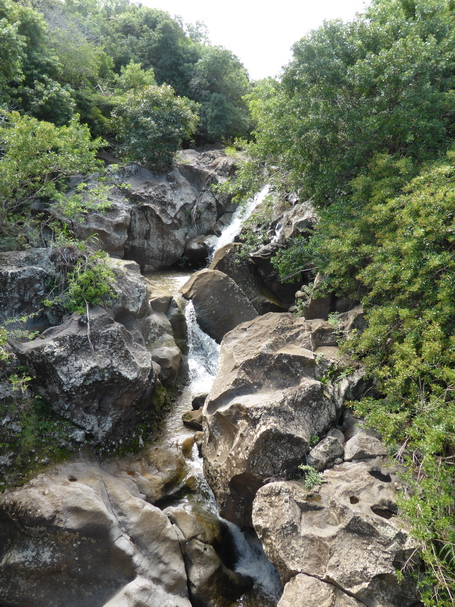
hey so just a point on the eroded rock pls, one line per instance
(264, 407)
(209, 556)
(91, 372)
(346, 533)
(81, 537)
(303, 590)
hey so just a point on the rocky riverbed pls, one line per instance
(284, 458)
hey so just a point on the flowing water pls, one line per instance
(203, 355)
(241, 214)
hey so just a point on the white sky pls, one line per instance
(259, 33)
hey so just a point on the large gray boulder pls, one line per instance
(266, 404)
(82, 537)
(245, 274)
(92, 373)
(219, 302)
(303, 590)
(345, 532)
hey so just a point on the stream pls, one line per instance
(203, 355)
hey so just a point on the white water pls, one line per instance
(203, 354)
(253, 562)
(239, 217)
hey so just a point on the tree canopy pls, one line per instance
(65, 58)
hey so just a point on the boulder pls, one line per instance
(153, 216)
(110, 226)
(347, 533)
(303, 590)
(75, 370)
(193, 419)
(219, 303)
(245, 274)
(325, 453)
(79, 536)
(158, 472)
(364, 445)
(209, 556)
(265, 406)
(300, 219)
(160, 219)
(26, 278)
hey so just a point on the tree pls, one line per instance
(152, 123)
(380, 84)
(219, 84)
(37, 159)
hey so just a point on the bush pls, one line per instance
(152, 123)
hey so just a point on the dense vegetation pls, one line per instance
(85, 58)
(362, 122)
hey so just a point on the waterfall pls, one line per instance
(203, 354)
(239, 217)
(203, 358)
(254, 563)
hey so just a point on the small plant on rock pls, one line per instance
(311, 476)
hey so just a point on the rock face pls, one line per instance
(303, 590)
(91, 372)
(82, 537)
(219, 303)
(25, 278)
(264, 407)
(345, 533)
(154, 216)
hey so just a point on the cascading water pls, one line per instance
(241, 214)
(203, 355)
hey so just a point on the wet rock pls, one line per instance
(196, 252)
(219, 303)
(346, 533)
(198, 400)
(209, 555)
(193, 419)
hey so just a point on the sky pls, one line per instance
(259, 33)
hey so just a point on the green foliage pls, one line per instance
(85, 278)
(381, 84)
(360, 123)
(220, 84)
(133, 77)
(38, 157)
(311, 476)
(399, 252)
(89, 283)
(153, 122)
